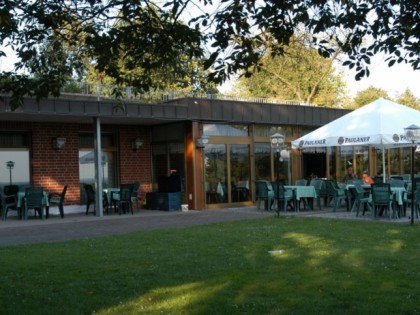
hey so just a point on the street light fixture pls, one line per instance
(412, 133)
(201, 142)
(277, 141)
(10, 165)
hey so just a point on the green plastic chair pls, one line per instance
(285, 196)
(301, 182)
(381, 198)
(416, 201)
(8, 202)
(361, 198)
(321, 191)
(264, 193)
(90, 197)
(123, 202)
(335, 194)
(57, 199)
(33, 200)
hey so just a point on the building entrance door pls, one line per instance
(227, 173)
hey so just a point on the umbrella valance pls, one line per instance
(379, 124)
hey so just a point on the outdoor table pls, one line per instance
(302, 193)
(111, 194)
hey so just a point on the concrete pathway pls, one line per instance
(77, 225)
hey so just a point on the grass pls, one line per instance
(266, 266)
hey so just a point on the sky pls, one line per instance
(394, 80)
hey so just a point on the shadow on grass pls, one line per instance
(266, 266)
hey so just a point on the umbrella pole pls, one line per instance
(383, 164)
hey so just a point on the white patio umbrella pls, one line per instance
(89, 158)
(379, 124)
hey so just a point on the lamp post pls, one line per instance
(277, 141)
(10, 165)
(412, 133)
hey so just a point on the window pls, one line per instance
(168, 152)
(87, 161)
(168, 158)
(19, 174)
(268, 131)
(14, 146)
(262, 161)
(225, 130)
(215, 163)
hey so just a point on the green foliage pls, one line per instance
(54, 39)
(72, 87)
(264, 266)
(369, 95)
(300, 74)
(407, 98)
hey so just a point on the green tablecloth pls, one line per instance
(303, 191)
(110, 191)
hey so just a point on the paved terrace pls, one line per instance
(77, 225)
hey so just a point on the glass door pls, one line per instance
(239, 172)
(215, 164)
(227, 173)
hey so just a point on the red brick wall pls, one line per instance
(135, 165)
(51, 168)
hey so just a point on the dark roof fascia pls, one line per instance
(186, 109)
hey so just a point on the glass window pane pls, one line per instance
(262, 161)
(379, 162)
(177, 161)
(268, 131)
(160, 161)
(215, 173)
(346, 160)
(14, 139)
(331, 162)
(362, 160)
(87, 170)
(225, 130)
(406, 153)
(86, 141)
(395, 161)
(240, 174)
(19, 174)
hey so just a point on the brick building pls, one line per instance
(217, 175)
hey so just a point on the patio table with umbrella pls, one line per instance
(379, 124)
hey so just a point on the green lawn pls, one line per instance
(285, 265)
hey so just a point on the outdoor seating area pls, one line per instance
(355, 198)
(115, 200)
(24, 200)
(374, 201)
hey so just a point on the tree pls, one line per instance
(407, 98)
(300, 74)
(368, 96)
(238, 33)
